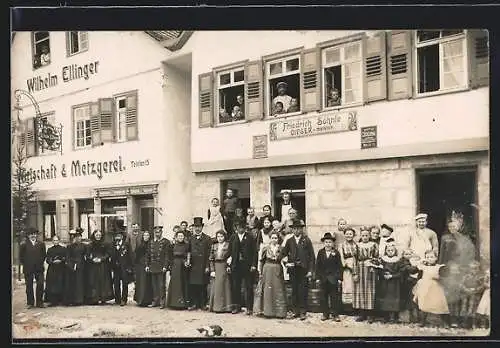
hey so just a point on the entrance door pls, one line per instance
(241, 189)
(297, 186)
(444, 190)
(147, 219)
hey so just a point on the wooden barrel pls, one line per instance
(313, 300)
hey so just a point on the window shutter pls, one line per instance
(30, 137)
(479, 57)
(106, 116)
(132, 123)
(62, 217)
(95, 124)
(84, 40)
(399, 63)
(68, 44)
(375, 67)
(205, 88)
(253, 90)
(22, 135)
(310, 92)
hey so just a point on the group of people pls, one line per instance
(234, 262)
(283, 103)
(237, 111)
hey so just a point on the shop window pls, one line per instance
(40, 48)
(441, 60)
(230, 95)
(283, 86)
(85, 210)
(81, 121)
(49, 219)
(76, 42)
(342, 75)
(296, 185)
(241, 189)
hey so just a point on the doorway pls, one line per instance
(296, 184)
(441, 191)
(241, 189)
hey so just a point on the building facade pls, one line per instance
(373, 126)
(109, 93)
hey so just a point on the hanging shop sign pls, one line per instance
(68, 73)
(314, 125)
(368, 137)
(260, 146)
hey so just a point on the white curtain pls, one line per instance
(55, 224)
(84, 224)
(453, 64)
(47, 226)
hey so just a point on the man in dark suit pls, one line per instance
(32, 256)
(158, 263)
(199, 247)
(300, 265)
(329, 277)
(134, 239)
(229, 206)
(121, 262)
(243, 266)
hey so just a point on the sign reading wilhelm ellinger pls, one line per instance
(260, 146)
(368, 137)
(314, 125)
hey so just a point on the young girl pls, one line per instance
(389, 287)
(215, 221)
(263, 237)
(472, 289)
(220, 291)
(428, 292)
(364, 278)
(266, 213)
(270, 299)
(348, 256)
(409, 277)
(484, 307)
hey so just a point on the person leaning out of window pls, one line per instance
(333, 98)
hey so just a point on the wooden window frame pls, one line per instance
(33, 50)
(217, 87)
(75, 133)
(69, 40)
(117, 97)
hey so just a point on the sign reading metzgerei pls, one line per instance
(314, 125)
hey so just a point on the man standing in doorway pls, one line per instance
(32, 256)
(158, 263)
(199, 245)
(231, 202)
(421, 238)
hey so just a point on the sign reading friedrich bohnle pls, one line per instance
(313, 125)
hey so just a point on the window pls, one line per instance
(40, 49)
(121, 119)
(82, 132)
(283, 83)
(342, 75)
(49, 219)
(441, 60)
(230, 95)
(76, 42)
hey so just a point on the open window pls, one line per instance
(441, 57)
(40, 49)
(81, 123)
(230, 95)
(283, 86)
(76, 42)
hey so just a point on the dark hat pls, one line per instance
(239, 223)
(281, 83)
(390, 240)
(389, 228)
(297, 223)
(31, 230)
(328, 235)
(198, 221)
(158, 227)
(77, 231)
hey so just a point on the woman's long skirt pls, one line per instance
(364, 288)
(220, 290)
(99, 283)
(347, 284)
(143, 294)
(177, 295)
(54, 284)
(270, 297)
(74, 288)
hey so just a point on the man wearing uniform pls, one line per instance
(122, 268)
(158, 263)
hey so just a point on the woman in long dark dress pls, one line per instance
(220, 290)
(54, 284)
(143, 294)
(177, 295)
(75, 271)
(456, 247)
(99, 281)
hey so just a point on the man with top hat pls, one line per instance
(421, 238)
(158, 260)
(121, 264)
(75, 270)
(300, 265)
(199, 249)
(32, 256)
(282, 96)
(243, 249)
(329, 277)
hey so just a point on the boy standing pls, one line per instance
(230, 204)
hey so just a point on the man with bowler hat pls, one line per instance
(199, 248)
(32, 256)
(121, 263)
(243, 266)
(329, 277)
(300, 265)
(158, 263)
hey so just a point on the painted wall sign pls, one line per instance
(368, 137)
(313, 125)
(68, 73)
(260, 146)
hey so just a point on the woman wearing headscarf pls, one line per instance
(143, 294)
(54, 285)
(99, 281)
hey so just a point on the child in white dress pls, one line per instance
(484, 307)
(215, 220)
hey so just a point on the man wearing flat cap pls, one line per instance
(199, 275)
(32, 255)
(421, 238)
(282, 96)
(158, 262)
(300, 264)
